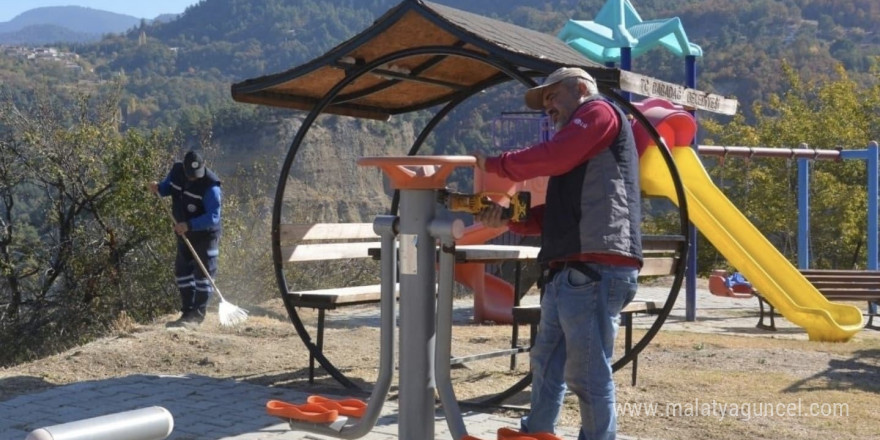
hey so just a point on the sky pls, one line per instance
(137, 8)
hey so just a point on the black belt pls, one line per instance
(580, 266)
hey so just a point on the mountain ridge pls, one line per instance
(69, 24)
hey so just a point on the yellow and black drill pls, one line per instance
(518, 210)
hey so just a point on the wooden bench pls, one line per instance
(301, 243)
(305, 243)
(660, 256)
(835, 285)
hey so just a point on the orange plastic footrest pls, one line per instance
(510, 434)
(307, 412)
(347, 407)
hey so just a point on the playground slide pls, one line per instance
(493, 297)
(747, 249)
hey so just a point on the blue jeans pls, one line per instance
(580, 317)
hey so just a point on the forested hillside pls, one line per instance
(84, 127)
(744, 42)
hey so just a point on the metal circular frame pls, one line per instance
(512, 73)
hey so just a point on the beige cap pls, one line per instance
(535, 95)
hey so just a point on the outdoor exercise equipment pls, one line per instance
(153, 423)
(425, 310)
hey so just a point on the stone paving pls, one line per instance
(209, 408)
(203, 408)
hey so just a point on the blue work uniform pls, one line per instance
(196, 202)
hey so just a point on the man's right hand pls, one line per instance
(154, 187)
(491, 216)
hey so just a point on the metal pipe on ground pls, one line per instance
(152, 423)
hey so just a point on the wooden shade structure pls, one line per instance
(420, 55)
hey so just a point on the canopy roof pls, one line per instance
(420, 54)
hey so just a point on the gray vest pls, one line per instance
(596, 207)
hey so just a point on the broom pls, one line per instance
(229, 314)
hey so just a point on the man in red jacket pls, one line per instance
(591, 248)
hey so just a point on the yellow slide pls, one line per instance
(747, 249)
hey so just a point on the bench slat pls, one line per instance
(641, 306)
(850, 284)
(531, 313)
(328, 251)
(851, 294)
(495, 252)
(326, 231)
(658, 266)
(326, 298)
(841, 272)
(661, 243)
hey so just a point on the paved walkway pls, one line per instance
(203, 408)
(207, 408)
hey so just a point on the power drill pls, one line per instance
(518, 211)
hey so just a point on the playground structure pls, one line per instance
(617, 35)
(834, 284)
(425, 362)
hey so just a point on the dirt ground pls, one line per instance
(701, 384)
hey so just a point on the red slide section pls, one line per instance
(493, 297)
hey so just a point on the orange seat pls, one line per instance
(346, 407)
(510, 434)
(521, 437)
(307, 412)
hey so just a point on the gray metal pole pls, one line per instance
(447, 231)
(153, 423)
(417, 315)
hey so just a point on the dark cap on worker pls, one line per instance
(194, 165)
(535, 95)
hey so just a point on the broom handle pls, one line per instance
(198, 260)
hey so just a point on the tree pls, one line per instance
(79, 231)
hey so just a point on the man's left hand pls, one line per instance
(181, 228)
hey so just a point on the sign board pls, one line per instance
(652, 87)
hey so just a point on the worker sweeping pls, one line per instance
(195, 205)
